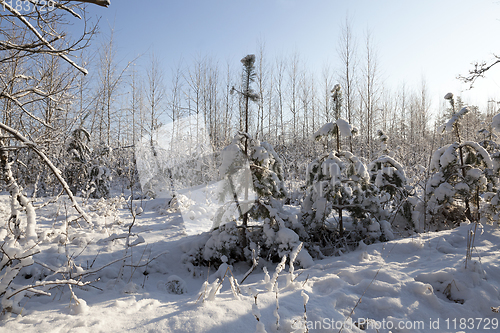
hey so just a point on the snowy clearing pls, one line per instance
(409, 282)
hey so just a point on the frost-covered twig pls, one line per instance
(255, 262)
(471, 237)
(307, 278)
(203, 292)
(21, 106)
(306, 299)
(273, 283)
(89, 272)
(276, 311)
(213, 290)
(42, 40)
(102, 3)
(216, 285)
(149, 260)
(291, 275)
(235, 288)
(255, 310)
(48, 202)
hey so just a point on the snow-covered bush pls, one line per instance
(490, 210)
(224, 241)
(175, 285)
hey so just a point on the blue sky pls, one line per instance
(435, 39)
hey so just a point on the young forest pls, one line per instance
(255, 196)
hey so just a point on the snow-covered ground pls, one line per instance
(417, 284)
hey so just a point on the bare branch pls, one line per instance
(41, 38)
(150, 260)
(102, 3)
(98, 269)
(479, 70)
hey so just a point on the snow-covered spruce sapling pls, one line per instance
(463, 176)
(337, 181)
(175, 285)
(264, 168)
(99, 182)
(224, 241)
(453, 186)
(490, 210)
(337, 106)
(77, 171)
(389, 177)
(248, 77)
(322, 171)
(454, 124)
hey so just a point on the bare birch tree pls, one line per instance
(369, 90)
(347, 74)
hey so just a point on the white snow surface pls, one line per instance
(415, 281)
(344, 127)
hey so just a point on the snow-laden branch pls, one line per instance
(449, 125)
(21, 106)
(86, 273)
(340, 125)
(48, 283)
(52, 167)
(35, 31)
